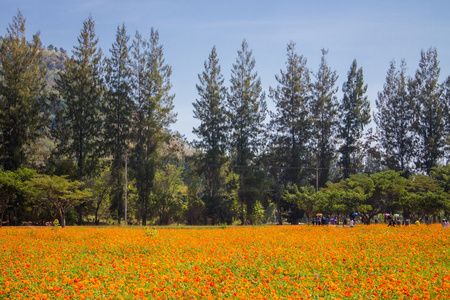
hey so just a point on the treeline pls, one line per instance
(103, 115)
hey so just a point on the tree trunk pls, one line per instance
(1, 218)
(62, 216)
(96, 214)
(241, 196)
(144, 219)
(279, 217)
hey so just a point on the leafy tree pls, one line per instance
(356, 195)
(389, 188)
(12, 184)
(446, 102)
(442, 175)
(354, 114)
(291, 122)
(430, 109)
(424, 198)
(305, 198)
(151, 91)
(395, 120)
(196, 209)
(119, 109)
(101, 187)
(324, 110)
(167, 200)
(247, 109)
(78, 126)
(337, 202)
(58, 193)
(23, 110)
(370, 195)
(212, 133)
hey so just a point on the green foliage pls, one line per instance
(442, 175)
(247, 110)
(12, 184)
(119, 109)
(212, 134)
(167, 200)
(395, 119)
(291, 123)
(354, 114)
(424, 197)
(368, 195)
(305, 198)
(101, 188)
(430, 109)
(23, 111)
(195, 213)
(55, 63)
(324, 108)
(79, 107)
(154, 114)
(57, 193)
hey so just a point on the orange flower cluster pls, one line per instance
(272, 262)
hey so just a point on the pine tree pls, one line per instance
(446, 102)
(291, 122)
(79, 111)
(324, 110)
(395, 120)
(354, 114)
(78, 127)
(119, 111)
(247, 109)
(426, 93)
(212, 133)
(154, 113)
(23, 108)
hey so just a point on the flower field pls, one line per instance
(272, 262)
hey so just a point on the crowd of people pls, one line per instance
(320, 219)
(326, 220)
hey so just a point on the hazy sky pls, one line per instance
(372, 32)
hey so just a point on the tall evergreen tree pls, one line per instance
(291, 122)
(154, 114)
(446, 102)
(354, 114)
(23, 116)
(119, 111)
(247, 110)
(79, 111)
(324, 110)
(395, 120)
(212, 133)
(426, 93)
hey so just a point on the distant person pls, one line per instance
(417, 223)
(406, 223)
(391, 223)
(352, 223)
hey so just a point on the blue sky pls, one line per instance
(372, 32)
